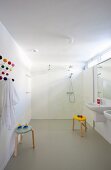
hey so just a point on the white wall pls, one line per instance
(104, 128)
(9, 49)
(49, 94)
(88, 94)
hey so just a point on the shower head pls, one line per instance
(70, 76)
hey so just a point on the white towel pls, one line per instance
(8, 99)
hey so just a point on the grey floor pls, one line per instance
(59, 148)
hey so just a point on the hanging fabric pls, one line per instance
(8, 99)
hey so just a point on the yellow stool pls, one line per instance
(82, 121)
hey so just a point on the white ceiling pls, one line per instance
(64, 31)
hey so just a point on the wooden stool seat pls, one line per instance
(21, 131)
(82, 121)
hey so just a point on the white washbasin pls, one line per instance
(107, 114)
(98, 108)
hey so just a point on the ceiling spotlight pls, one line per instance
(35, 50)
(71, 40)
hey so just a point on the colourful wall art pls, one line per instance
(6, 67)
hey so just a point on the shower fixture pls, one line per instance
(99, 67)
(98, 74)
(70, 67)
(49, 67)
(70, 92)
(70, 76)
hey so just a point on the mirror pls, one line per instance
(104, 79)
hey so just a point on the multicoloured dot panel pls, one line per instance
(6, 67)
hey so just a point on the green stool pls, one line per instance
(21, 131)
